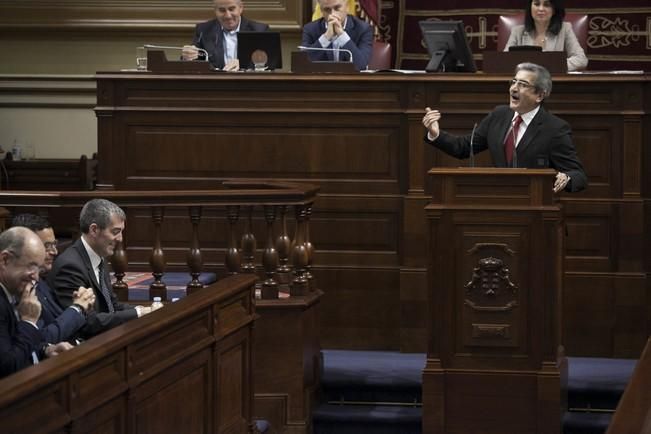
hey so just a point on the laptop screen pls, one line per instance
(259, 50)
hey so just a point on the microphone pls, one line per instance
(472, 149)
(333, 50)
(171, 47)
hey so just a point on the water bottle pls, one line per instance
(157, 304)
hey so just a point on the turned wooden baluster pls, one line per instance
(270, 257)
(283, 247)
(310, 249)
(119, 263)
(299, 255)
(233, 260)
(194, 259)
(157, 258)
(248, 243)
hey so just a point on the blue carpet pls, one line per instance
(370, 392)
(372, 376)
(595, 383)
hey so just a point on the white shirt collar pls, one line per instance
(233, 32)
(95, 259)
(528, 116)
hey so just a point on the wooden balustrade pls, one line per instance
(240, 199)
(186, 368)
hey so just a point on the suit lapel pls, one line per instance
(87, 264)
(532, 131)
(213, 43)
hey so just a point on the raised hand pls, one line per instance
(84, 297)
(431, 122)
(189, 52)
(29, 308)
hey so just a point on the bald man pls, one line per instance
(22, 255)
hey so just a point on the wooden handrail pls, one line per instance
(232, 193)
(633, 413)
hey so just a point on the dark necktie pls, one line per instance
(511, 137)
(106, 293)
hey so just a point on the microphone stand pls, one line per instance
(332, 50)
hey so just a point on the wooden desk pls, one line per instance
(186, 368)
(360, 138)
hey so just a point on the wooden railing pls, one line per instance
(285, 259)
(185, 368)
(633, 414)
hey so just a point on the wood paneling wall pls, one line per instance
(360, 138)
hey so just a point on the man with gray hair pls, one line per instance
(83, 264)
(21, 344)
(522, 134)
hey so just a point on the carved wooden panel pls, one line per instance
(46, 410)
(149, 356)
(233, 384)
(98, 382)
(110, 418)
(361, 139)
(158, 405)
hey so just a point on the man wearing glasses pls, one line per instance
(55, 323)
(522, 134)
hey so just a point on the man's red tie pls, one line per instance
(511, 137)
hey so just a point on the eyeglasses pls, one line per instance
(51, 245)
(520, 84)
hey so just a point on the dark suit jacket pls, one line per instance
(360, 44)
(547, 142)
(18, 339)
(56, 323)
(73, 269)
(210, 37)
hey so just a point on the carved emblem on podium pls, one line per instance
(490, 288)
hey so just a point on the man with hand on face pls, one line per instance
(84, 264)
(337, 29)
(522, 134)
(219, 36)
(21, 344)
(56, 323)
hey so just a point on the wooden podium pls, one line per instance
(494, 360)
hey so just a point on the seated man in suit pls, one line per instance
(21, 344)
(55, 323)
(338, 29)
(83, 264)
(522, 134)
(219, 36)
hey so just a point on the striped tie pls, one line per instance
(106, 293)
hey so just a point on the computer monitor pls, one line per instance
(447, 46)
(259, 50)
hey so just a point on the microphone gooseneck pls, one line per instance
(172, 47)
(332, 50)
(472, 148)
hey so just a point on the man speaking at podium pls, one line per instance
(338, 30)
(522, 134)
(219, 36)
